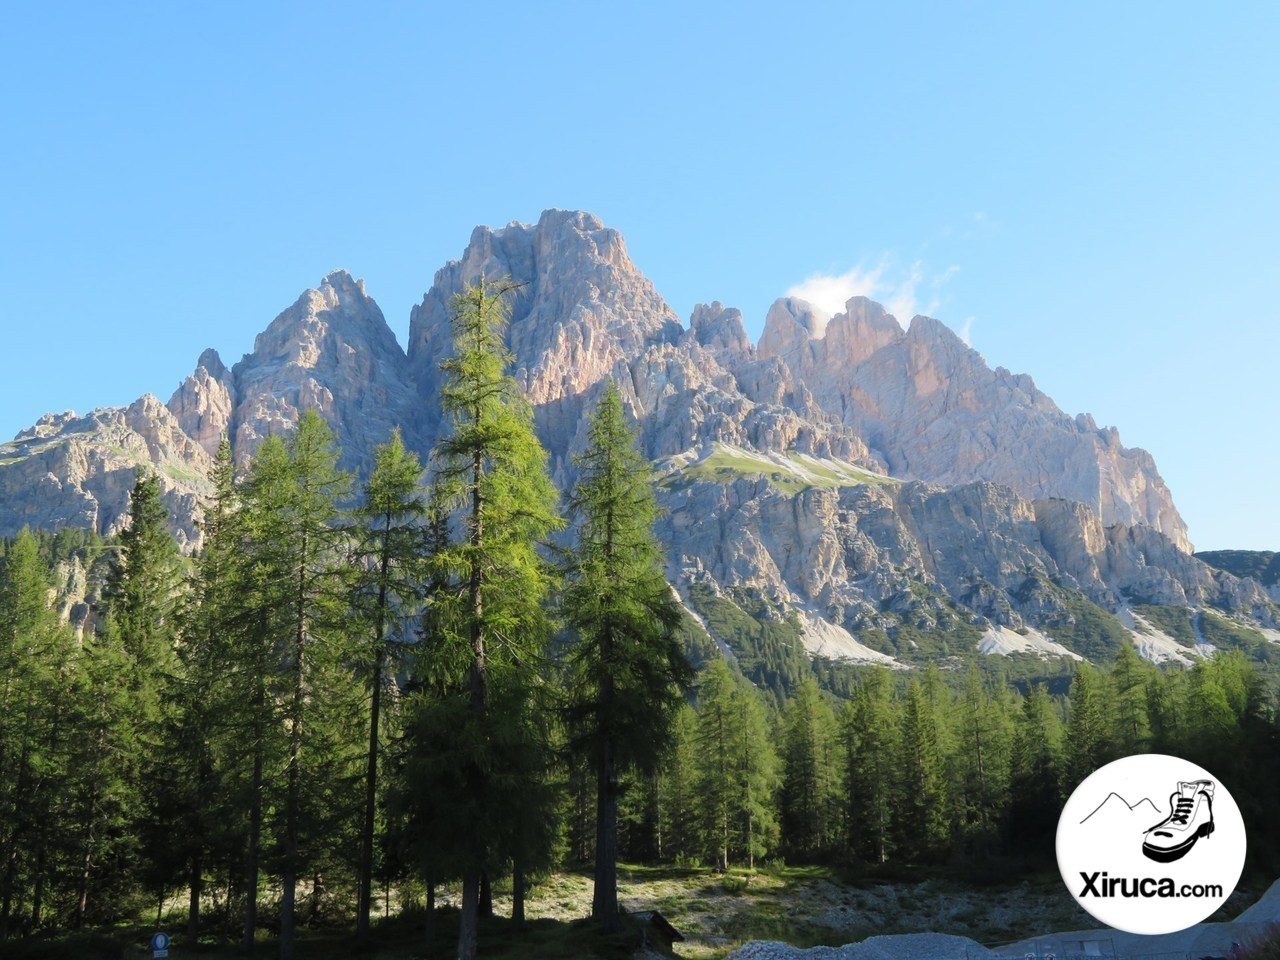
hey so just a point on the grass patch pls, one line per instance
(1175, 621)
(798, 474)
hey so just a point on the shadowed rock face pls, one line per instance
(844, 467)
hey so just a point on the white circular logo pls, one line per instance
(1151, 844)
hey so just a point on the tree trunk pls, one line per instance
(429, 934)
(255, 832)
(288, 900)
(486, 895)
(517, 895)
(604, 900)
(364, 899)
(467, 922)
(193, 908)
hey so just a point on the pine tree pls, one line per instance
(628, 660)
(205, 735)
(133, 668)
(677, 801)
(34, 656)
(1129, 679)
(391, 545)
(291, 506)
(807, 787)
(494, 470)
(923, 827)
(872, 776)
(1036, 776)
(1088, 740)
(758, 776)
(736, 770)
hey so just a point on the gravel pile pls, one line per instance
(907, 946)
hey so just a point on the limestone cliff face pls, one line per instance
(205, 401)
(978, 557)
(331, 351)
(932, 409)
(583, 313)
(79, 471)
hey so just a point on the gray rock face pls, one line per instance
(79, 471)
(205, 402)
(929, 406)
(332, 351)
(584, 313)
(871, 556)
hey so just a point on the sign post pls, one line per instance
(159, 946)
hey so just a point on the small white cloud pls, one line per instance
(966, 329)
(830, 293)
(884, 282)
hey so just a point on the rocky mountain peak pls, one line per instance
(582, 307)
(718, 327)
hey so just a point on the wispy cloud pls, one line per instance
(831, 292)
(900, 289)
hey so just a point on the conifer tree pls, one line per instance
(1088, 736)
(677, 800)
(715, 787)
(35, 651)
(292, 497)
(807, 785)
(391, 544)
(628, 660)
(872, 770)
(1129, 677)
(1036, 776)
(131, 667)
(205, 732)
(923, 828)
(758, 776)
(493, 469)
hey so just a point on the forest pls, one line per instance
(370, 696)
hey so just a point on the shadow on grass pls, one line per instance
(397, 938)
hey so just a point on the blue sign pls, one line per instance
(159, 941)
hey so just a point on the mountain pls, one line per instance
(1117, 812)
(847, 486)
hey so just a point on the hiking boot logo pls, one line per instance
(1190, 818)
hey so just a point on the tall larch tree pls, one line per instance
(292, 504)
(494, 472)
(627, 656)
(389, 525)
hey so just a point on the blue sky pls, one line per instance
(1090, 191)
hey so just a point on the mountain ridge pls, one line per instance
(882, 480)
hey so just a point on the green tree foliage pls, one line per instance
(1088, 739)
(627, 662)
(297, 550)
(984, 733)
(922, 828)
(809, 772)
(871, 736)
(493, 472)
(678, 802)
(389, 527)
(736, 771)
(35, 662)
(1036, 775)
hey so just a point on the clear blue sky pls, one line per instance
(1090, 190)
